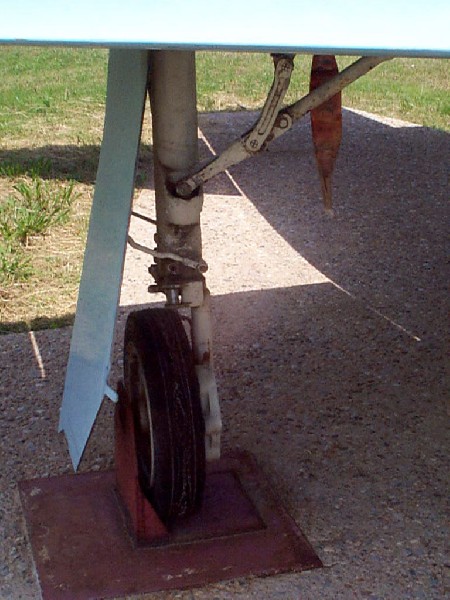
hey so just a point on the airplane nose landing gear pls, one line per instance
(163, 391)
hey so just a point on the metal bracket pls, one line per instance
(252, 141)
(200, 265)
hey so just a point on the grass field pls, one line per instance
(51, 119)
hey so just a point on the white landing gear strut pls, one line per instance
(171, 384)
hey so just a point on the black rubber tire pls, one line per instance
(163, 389)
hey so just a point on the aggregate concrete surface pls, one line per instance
(331, 337)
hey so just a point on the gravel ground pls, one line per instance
(331, 336)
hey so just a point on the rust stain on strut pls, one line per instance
(206, 358)
(326, 124)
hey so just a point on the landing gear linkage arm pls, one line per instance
(274, 120)
(250, 142)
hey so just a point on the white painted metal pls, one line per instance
(282, 77)
(203, 353)
(175, 150)
(252, 141)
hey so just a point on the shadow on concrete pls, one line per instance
(388, 242)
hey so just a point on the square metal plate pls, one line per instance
(82, 548)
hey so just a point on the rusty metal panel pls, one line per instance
(82, 548)
(326, 124)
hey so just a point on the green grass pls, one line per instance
(33, 209)
(51, 121)
(51, 90)
(14, 264)
(413, 90)
(58, 94)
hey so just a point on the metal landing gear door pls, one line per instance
(90, 350)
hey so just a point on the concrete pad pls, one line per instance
(337, 383)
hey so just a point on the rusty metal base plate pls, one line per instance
(82, 549)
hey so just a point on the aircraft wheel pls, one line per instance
(163, 389)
